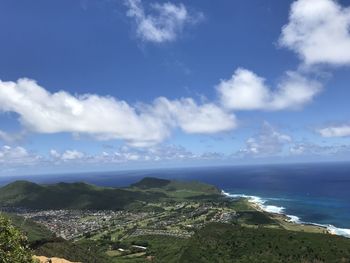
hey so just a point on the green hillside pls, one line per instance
(13, 244)
(86, 196)
(150, 182)
(229, 243)
(87, 253)
(177, 189)
(31, 229)
(221, 243)
(159, 214)
(70, 196)
(27, 237)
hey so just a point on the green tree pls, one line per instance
(13, 244)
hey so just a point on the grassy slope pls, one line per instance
(70, 196)
(85, 196)
(214, 243)
(31, 229)
(162, 248)
(222, 243)
(149, 183)
(87, 253)
(177, 189)
(44, 243)
(227, 243)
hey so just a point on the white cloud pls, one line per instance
(193, 118)
(299, 149)
(247, 91)
(267, 142)
(151, 154)
(4, 136)
(335, 131)
(307, 148)
(17, 156)
(11, 137)
(67, 156)
(44, 112)
(156, 153)
(312, 149)
(126, 154)
(318, 31)
(106, 117)
(55, 154)
(162, 23)
(72, 155)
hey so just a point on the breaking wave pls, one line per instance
(261, 203)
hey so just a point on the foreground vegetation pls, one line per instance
(233, 243)
(32, 230)
(13, 244)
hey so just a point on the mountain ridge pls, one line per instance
(80, 195)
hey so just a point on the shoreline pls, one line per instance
(289, 222)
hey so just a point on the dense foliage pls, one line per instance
(86, 196)
(229, 243)
(70, 196)
(149, 182)
(82, 252)
(33, 231)
(41, 241)
(161, 248)
(13, 245)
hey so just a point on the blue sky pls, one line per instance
(103, 85)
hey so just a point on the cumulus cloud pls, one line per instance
(247, 91)
(67, 155)
(20, 157)
(193, 118)
(126, 154)
(307, 148)
(335, 131)
(156, 153)
(5, 136)
(162, 22)
(313, 149)
(11, 137)
(106, 117)
(267, 142)
(318, 31)
(17, 156)
(44, 112)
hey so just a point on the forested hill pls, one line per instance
(86, 196)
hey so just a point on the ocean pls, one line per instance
(309, 193)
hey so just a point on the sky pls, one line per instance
(95, 85)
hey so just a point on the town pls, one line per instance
(179, 219)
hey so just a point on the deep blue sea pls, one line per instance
(313, 193)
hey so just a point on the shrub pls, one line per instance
(13, 244)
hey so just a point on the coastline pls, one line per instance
(288, 222)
